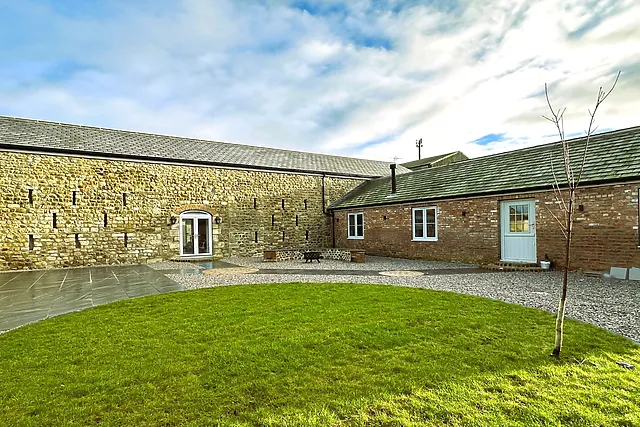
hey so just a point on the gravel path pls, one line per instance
(611, 305)
(372, 263)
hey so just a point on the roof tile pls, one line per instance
(35, 135)
(611, 155)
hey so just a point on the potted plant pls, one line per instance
(545, 263)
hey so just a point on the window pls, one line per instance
(425, 224)
(519, 218)
(356, 225)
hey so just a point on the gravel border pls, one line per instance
(612, 305)
(373, 263)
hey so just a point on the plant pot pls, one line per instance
(545, 264)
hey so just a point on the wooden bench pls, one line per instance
(311, 255)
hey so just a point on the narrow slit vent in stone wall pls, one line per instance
(273, 220)
(54, 222)
(77, 240)
(105, 220)
(255, 237)
(306, 237)
(282, 204)
(296, 220)
(283, 235)
(73, 198)
(126, 240)
(31, 242)
(31, 197)
(255, 203)
(305, 203)
(124, 199)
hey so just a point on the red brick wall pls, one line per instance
(605, 233)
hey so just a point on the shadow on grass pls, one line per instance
(305, 354)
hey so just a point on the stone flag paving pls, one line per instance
(29, 296)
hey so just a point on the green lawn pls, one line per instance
(313, 355)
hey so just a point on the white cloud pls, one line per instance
(335, 81)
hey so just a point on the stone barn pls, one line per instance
(78, 195)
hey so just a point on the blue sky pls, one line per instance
(360, 78)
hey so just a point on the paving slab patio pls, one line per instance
(29, 296)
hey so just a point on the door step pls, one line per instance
(513, 266)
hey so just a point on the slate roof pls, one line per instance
(427, 161)
(43, 136)
(612, 157)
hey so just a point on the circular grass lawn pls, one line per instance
(314, 355)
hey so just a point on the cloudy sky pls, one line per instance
(358, 78)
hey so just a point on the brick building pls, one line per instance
(498, 207)
(77, 195)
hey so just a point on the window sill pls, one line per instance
(429, 239)
(355, 238)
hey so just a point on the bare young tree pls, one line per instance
(565, 192)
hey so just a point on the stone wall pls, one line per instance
(338, 254)
(605, 231)
(139, 199)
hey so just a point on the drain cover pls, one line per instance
(402, 273)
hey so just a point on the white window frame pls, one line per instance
(424, 224)
(355, 216)
(195, 215)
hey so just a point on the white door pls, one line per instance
(518, 224)
(195, 234)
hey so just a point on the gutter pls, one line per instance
(179, 162)
(516, 191)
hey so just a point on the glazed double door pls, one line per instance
(195, 234)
